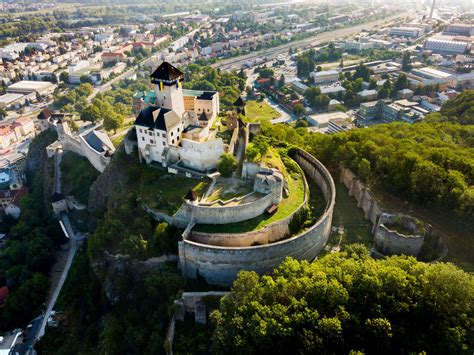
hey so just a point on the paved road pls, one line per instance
(72, 252)
(74, 245)
(272, 53)
(285, 117)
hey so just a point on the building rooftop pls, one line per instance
(167, 72)
(30, 85)
(206, 95)
(326, 72)
(153, 117)
(367, 93)
(7, 98)
(239, 102)
(45, 114)
(99, 141)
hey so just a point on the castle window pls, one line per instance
(172, 142)
(172, 133)
(143, 138)
(151, 141)
(178, 129)
(207, 110)
(163, 135)
(164, 143)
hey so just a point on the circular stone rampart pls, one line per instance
(219, 264)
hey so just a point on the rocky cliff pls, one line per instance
(110, 183)
(38, 166)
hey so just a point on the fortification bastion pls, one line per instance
(219, 264)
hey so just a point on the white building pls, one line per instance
(411, 32)
(12, 101)
(43, 88)
(446, 46)
(459, 29)
(12, 51)
(178, 128)
(325, 76)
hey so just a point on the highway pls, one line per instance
(321, 38)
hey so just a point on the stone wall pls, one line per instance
(371, 207)
(386, 241)
(233, 140)
(220, 265)
(389, 241)
(224, 214)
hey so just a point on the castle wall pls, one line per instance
(201, 155)
(98, 160)
(220, 265)
(225, 214)
(233, 141)
(371, 207)
(386, 241)
(389, 241)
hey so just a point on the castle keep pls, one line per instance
(177, 129)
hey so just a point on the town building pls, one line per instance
(459, 29)
(333, 91)
(410, 32)
(42, 88)
(445, 46)
(367, 95)
(325, 76)
(322, 120)
(177, 128)
(9, 101)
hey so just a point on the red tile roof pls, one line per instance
(4, 292)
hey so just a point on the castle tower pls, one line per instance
(169, 93)
(63, 128)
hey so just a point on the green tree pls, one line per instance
(91, 113)
(406, 61)
(298, 109)
(281, 82)
(311, 93)
(86, 79)
(227, 164)
(401, 83)
(321, 102)
(113, 121)
(348, 301)
(386, 90)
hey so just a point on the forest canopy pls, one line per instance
(348, 302)
(431, 162)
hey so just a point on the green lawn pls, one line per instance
(165, 192)
(256, 111)
(286, 207)
(273, 160)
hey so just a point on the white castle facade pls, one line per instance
(178, 128)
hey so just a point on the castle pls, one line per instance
(92, 144)
(175, 127)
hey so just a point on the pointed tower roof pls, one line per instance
(191, 195)
(166, 72)
(45, 114)
(239, 102)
